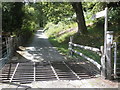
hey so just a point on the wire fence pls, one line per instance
(8, 47)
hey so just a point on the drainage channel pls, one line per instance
(42, 71)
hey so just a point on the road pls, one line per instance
(40, 60)
(40, 49)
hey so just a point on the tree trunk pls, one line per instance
(77, 6)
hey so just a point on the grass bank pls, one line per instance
(59, 37)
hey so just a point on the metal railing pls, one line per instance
(8, 46)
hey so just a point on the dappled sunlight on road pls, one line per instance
(35, 55)
(39, 50)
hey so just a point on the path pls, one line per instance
(39, 49)
(43, 67)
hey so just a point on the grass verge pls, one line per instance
(94, 38)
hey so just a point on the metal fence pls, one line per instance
(8, 46)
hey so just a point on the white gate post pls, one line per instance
(103, 63)
(103, 58)
(109, 39)
(115, 59)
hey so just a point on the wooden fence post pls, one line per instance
(0, 46)
(103, 58)
(11, 46)
(103, 66)
(7, 45)
(115, 59)
(70, 46)
(109, 41)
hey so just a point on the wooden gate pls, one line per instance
(106, 50)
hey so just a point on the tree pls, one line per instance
(12, 16)
(77, 6)
(56, 12)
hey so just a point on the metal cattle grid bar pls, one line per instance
(40, 71)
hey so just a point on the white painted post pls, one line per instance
(115, 59)
(103, 70)
(71, 38)
(103, 58)
(109, 42)
(70, 46)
